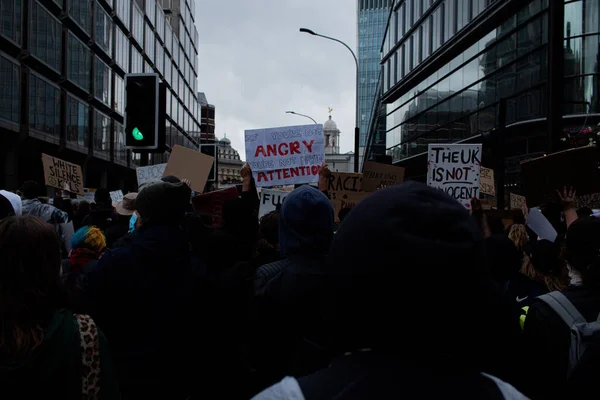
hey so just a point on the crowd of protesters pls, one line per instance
(411, 296)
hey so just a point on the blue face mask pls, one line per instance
(132, 222)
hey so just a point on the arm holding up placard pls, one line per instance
(249, 192)
(324, 175)
(567, 201)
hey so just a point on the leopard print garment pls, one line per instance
(90, 357)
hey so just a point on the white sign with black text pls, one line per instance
(455, 169)
(269, 201)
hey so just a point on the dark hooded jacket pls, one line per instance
(150, 298)
(288, 292)
(407, 294)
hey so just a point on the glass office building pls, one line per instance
(62, 69)
(448, 64)
(372, 20)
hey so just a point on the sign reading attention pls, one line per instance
(455, 169)
(285, 156)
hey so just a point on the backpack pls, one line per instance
(583, 333)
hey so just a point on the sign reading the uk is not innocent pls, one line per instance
(285, 156)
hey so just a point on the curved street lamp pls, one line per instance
(357, 122)
(302, 115)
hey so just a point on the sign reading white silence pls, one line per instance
(455, 169)
(269, 201)
(285, 156)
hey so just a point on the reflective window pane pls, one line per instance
(78, 62)
(10, 19)
(10, 90)
(81, 12)
(103, 29)
(45, 41)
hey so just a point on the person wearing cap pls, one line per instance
(405, 304)
(547, 337)
(147, 297)
(124, 210)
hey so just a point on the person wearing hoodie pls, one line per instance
(10, 204)
(150, 298)
(407, 305)
(33, 206)
(46, 351)
(288, 292)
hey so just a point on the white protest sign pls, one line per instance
(285, 156)
(540, 225)
(116, 196)
(455, 169)
(150, 173)
(269, 201)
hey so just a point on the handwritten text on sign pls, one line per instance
(270, 200)
(150, 173)
(62, 174)
(285, 156)
(455, 169)
(486, 182)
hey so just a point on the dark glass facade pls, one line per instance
(447, 65)
(71, 98)
(372, 20)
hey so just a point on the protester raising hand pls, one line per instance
(567, 199)
(324, 175)
(479, 215)
(246, 173)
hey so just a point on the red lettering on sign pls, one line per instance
(283, 152)
(295, 148)
(271, 150)
(260, 150)
(309, 145)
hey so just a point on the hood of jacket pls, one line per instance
(306, 223)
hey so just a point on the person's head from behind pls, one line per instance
(503, 258)
(306, 223)
(83, 208)
(402, 251)
(582, 250)
(546, 264)
(162, 204)
(31, 190)
(343, 213)
(102, 198)
(89, 238)
(583, 212)
(268, 228)
(30, 285)
(518, 234)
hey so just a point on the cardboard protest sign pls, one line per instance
(343, 182)
(89, 195)
(589, 200)
(376, 176)
(518, 202)
(270, 200)
(285, 156)
(486, 182)
(212, 203)
(150, 173)
(347, 200)
(116, 196)
(542, 176)
(455, 169)
(189, 164)
(62, 174)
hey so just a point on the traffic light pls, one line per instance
(142, 112)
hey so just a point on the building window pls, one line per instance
(10, 92)
(151, 11)
(101, 134)
(45, 41)
(149, 43)
(122, 50)
(78, 127)
(120, 150)
(169, 38)
(10, 20)
(81, 12)
(78, 61)
(122, 8)
(119, 105)
(137, 61)
(160, 23)
(160, 57)
(103, 32)
(44, 106)
(102, 75)
(137, 24)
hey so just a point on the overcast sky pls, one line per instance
(254, 64)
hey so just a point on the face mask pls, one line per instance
(132, 222)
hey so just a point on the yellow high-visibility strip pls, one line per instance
(523, 317)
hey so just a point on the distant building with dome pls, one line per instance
(337, 162)
(229, 164)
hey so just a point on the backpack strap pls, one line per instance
(563, 307)
(90, 357)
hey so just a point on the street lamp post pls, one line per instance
(301, 115)
(357, 123)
